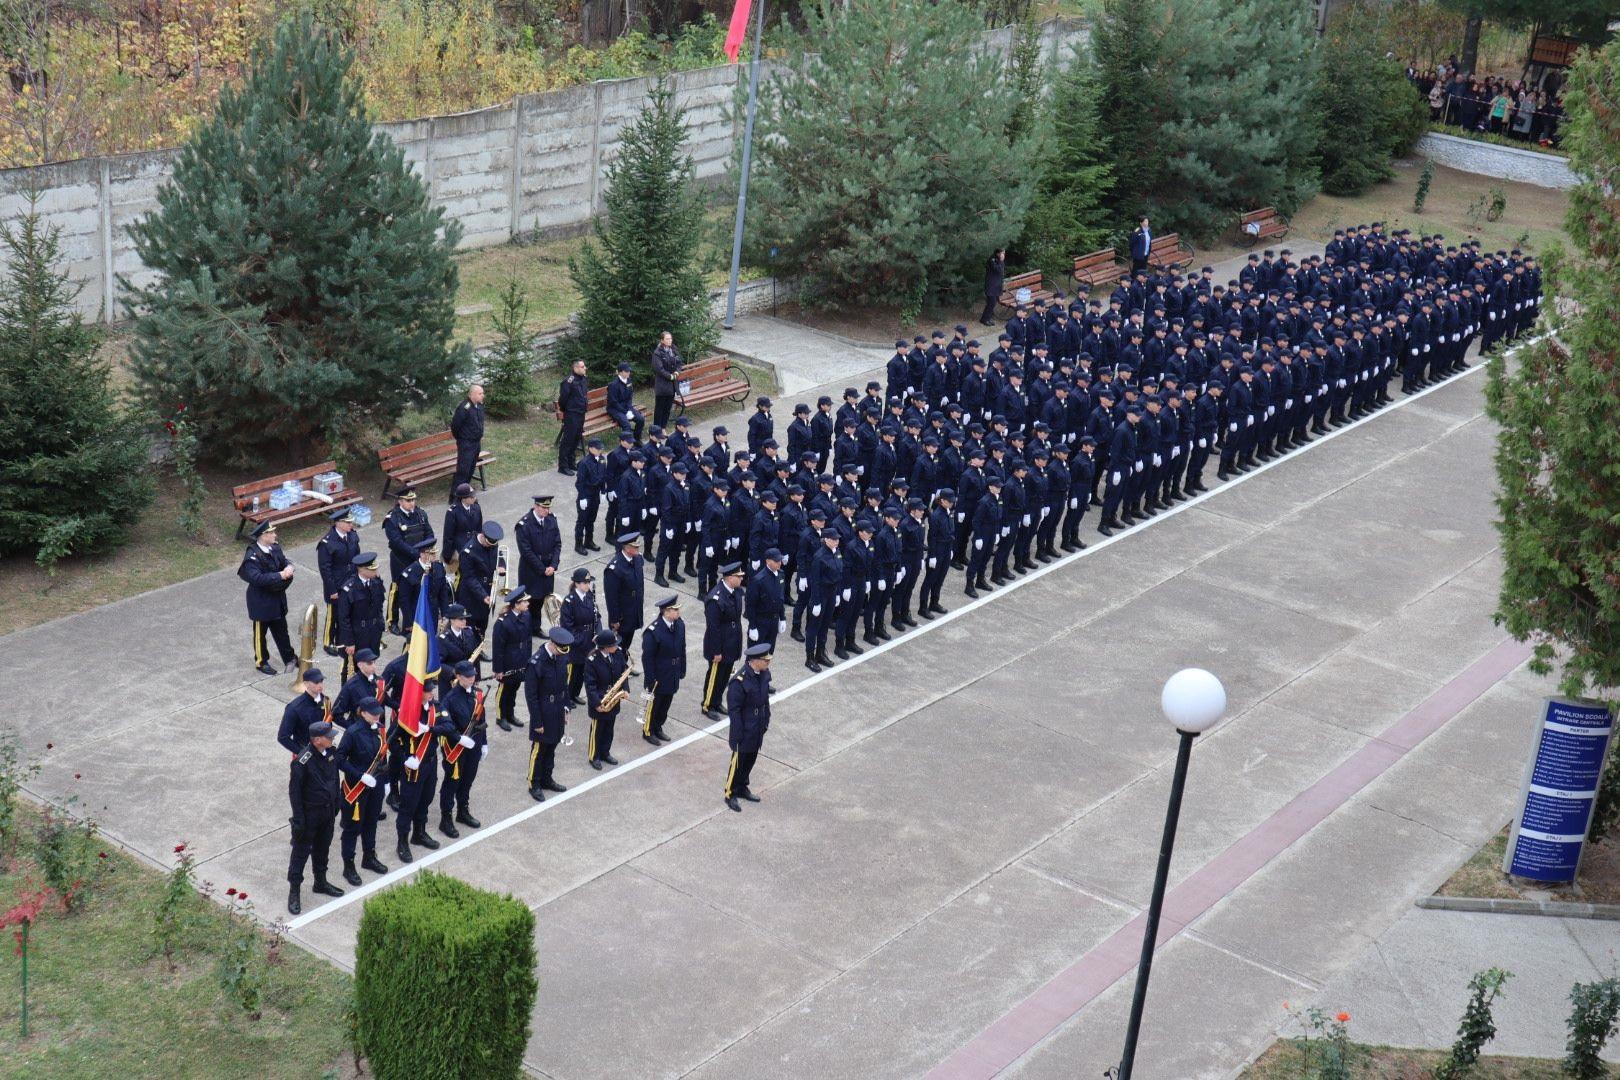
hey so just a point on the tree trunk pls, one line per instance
(1470, 48)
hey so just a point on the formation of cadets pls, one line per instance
(845, 526)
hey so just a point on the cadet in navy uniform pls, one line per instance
(467, 426)
(663, 666)
(462, 749)
(308, 708)
(539, 548)
(475, 579)
(416, 780)
(986, 531)
(607, 663)
(764, 601)
(463, 520)
(426, 573)
(312, 789)
(939, 547)
(458, 642)
(406, 526)
(364, 683)
(267, 573)
(760, 426)
(852, 589)
(545, 687)
(722, 635)
(509, 655)
(363, 758)
(624, 585)
(913, 542)
(334, 554)
(590, 483)
(621, 402)
(748, 706)
(821, 592)
(581, 619)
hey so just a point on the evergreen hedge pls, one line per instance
(444, 981)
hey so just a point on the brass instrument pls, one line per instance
(503, 571)
(551, 609)
(615, 693)
(307, 634)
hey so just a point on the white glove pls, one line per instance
(1140, 465)
(467, 742)
(781, 626)
(1248, 421)
(1073, 503)
(1341, 384)
(1491, 315)
(1425, 348)
(1006, 530)
(1157, 461)
(1175, 452)
(883, 586)
(708, 552)
(413, 762)
(483, 752)
(847, 593)
(961, 518)
(1203, 444)
(1232, 426)
(815, 609)
(1116, 477)
(386, 787)
(753, 634)
(669, 534)
(1289, 404)
(1026, 521)
(583, 503)
(900, 575)
(369, 780)
(933, 562)
(978, 543)
(803, 584)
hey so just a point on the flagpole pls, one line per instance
(747, 158)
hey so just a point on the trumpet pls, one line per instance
(616, 693)
(307, 634)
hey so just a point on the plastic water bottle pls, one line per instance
(255, 504)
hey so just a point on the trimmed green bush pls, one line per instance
(444, 981)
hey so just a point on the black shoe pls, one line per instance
(372, 863)
(810, 662)
(610, 759)
(882, 633)
(732, 804)
(595, 764)
(659, 580)
(404, 851)
(797, 635)
(936, 609)
(537, 795)
(748, 796)
(265, 669)
(971, 591)
(1106, 528)
(650, 739)
(958, 564)
(1223, 475)
(854, 648)
(448, 827)
(1095, 501)
(350, 874)
(552, 785)
(420, 838)
(840, 652)
(326, 888)
(392, 801)
(579, 548)
(870, 639)
(503, 724)
(295, 906)
(714, 714)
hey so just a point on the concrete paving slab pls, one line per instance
(1357, 693)
(949, 796)
(912, 1002)
(802, 357)
(1436, 635)
(1247, 769)
(1206, 1009)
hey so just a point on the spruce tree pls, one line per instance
(1069, 215)
(883, 167)
(1127, 47)
(73, 474)
(641, 275)
(303, 294)
(1558, 450)
(1370, 114)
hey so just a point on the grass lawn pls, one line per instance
(1285, 1061)
(1481, 876)
(101, 1005)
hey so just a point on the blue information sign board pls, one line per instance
(1560, 786)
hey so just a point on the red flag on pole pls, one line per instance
(738, 30)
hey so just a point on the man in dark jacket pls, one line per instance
(666, 369)
(573, 398)
(312, 790)
(267, 573)
(995, 273)
(467, 426)
(722, 635)
(748, 706)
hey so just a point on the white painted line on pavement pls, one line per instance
(429, 858)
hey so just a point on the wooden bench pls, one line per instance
(715, 378)
(1029, 279)
(1097, 270)
(428, 458)
(1170, 252)
(242, 495)
(1262, 224)
(597, 419)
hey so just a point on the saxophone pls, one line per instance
(616, 693)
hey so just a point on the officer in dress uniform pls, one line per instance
(475, 577)
(416, 780)
(573, 400)
(624, 586)
(510, 651)
(462, 521)
(427, 572)
(463, 749)
(722, 636)
(312, 790)
(545, 688)
(590, 485)
(268, 574)
(581, 619)
(621, 401)
(821, 592)
(607, 664)
(539, 544)
(406, 527)
(764, 600)
(467, 427)
(334, 554)
(748, 707)
(938, 549)
(458, 642)
(366, 682)
(309, 707)
(985, 530)
(360, 618)
(363, 760)
(663, 666)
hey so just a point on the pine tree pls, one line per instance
(1370, 113)
(1127, 47)
(303, 293)
(883, 168)
(73, 474)
(1558, 450)
(641, 275)
(508, 363)
(1069, 215)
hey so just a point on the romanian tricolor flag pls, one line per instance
(421, 670)
(738, 30)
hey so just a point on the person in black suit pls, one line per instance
(1141, 245)
(572, 400)
(995, 273)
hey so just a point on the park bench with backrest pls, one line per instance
(428, 458)
(1260, 225)
(242, 496)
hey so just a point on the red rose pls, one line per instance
(181, 846)
(1343, 1018)
(231, 891)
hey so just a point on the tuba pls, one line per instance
(308, 632)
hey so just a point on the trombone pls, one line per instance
(307, 634)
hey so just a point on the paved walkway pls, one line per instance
(952, 822)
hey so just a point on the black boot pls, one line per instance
(448, 827)
(372, 863)
(590, 539)
(659, 580)
(810, 662)
(295, 903)
(350, 874)
(420, 838)
(970, 590)
(404, 851)
(326, 888)
(465, 817)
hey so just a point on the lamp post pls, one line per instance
(1193, 700)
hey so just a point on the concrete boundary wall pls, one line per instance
(534, 165)
(1493, 159)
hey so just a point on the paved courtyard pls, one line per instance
(958, 830)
